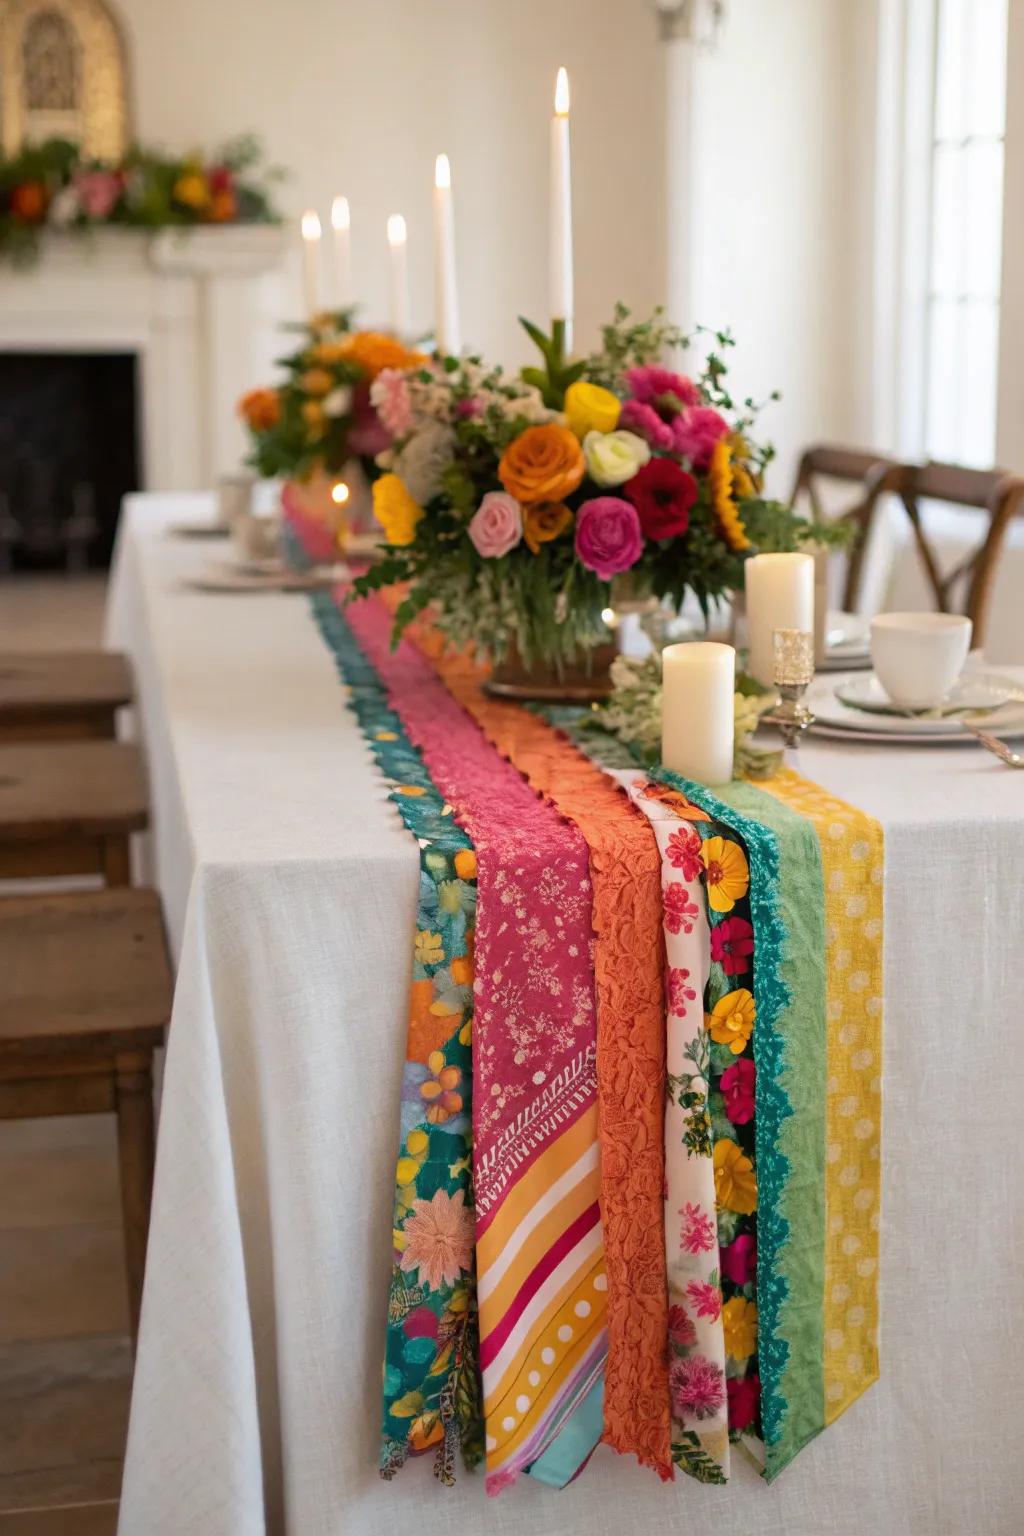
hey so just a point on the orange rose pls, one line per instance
(544, 522)
(260, 409)
(542, 464)
(374, 352)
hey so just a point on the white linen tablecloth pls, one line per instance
(289, 887)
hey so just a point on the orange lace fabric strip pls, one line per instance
(626, 875)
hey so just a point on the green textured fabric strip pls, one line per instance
(802, 1134)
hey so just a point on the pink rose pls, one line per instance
(497, 525)
(696, 432)
(738, 1090)
(739, 1260)
(639, 417)
(608, 536)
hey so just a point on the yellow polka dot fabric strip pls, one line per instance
(853, 855)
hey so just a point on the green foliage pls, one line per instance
(557, 374)
(688, 1453)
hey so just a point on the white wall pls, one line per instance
(358, 96)
(777, 188)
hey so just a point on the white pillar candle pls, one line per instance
(780, 595)
(698, 681)
(398, 275)
(311, 261)
(561, 211)
(341, 225)
(446, 298)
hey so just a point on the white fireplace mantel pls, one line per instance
(194, 306)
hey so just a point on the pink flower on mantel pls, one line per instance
(678, 992)
(389, 393)
(739, 1260)
(697, 1386)
(98, 191)
(497, 525)
(681, 1330)
(678, 910)
(695, 433)
(438, 1239)
(683, 851)
(706, 1299)
(697, 1233)
(738, 1084)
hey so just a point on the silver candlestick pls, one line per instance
(792, 672)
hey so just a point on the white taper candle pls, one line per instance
(446, 297)
(398, 275)
(311, 260)
(698, 683)
(561, 211)
(780, 595)
(341, 221)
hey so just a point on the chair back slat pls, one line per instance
(873, 473)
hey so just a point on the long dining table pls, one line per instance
(289, 888)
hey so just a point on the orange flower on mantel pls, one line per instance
(260, 409)
(542, 464)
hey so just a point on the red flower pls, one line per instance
(678, 992)
(663, 494)
(28, 202)
(738, 1090)
(744, 1396)
(706, 1299)
(696, 1388)
(683, 850)
(739, 1260)
(680, 1327)
(732, 942)
(679, 910)
(697, 1231)
(222, 178)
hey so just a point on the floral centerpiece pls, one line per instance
(53, 186)
(310, 427)
(514, 503)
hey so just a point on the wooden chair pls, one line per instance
(991, 491)
(69, 808)
(872, 473)
(61, 695)
(85, 993)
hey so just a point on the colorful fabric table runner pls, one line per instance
(666, 1025)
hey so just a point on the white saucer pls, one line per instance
(841, 721)
(977, 692)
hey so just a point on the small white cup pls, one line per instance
(919, 656)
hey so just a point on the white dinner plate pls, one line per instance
(977, 692)
(840, 721)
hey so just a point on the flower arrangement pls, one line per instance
(321, 415)
(513, 504)
(52, 186)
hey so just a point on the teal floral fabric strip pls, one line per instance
(771, 998)
(431, 1370)
(803, 1023)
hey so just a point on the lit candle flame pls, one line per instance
(396, 229)
(340, 493)
(310, 225)
(340, 213)
(442, 172)
(562, 93)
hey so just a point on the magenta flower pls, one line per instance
(644, 420)
(659, 386)
(683, 851)
(738, 1082)
(681, 1331)
(608, 536)
(678, 992)
(732, 944)
(744, 1395)
(706, 1299)
(739, 1260)
(497, 525)
(697, 1386)
(697, 1233)
(678, 910)
(98, 191)
(695, 433)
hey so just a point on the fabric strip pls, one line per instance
(540, 1261)
(853, 858)
(625, 869)
(431, 1392)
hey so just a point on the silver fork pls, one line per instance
(998, 748)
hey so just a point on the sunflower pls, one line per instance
(720, 483)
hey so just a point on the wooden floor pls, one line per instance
(65, 1361)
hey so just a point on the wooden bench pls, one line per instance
(69, 808)
(61, 695)
(85, 993)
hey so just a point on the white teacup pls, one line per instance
(919, 656)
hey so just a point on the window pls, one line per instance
(964, 247)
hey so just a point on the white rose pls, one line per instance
(614, 457)
(65, 207)
(338, 402)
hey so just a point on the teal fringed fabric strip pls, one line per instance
(771, 997)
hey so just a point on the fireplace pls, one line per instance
(69, 451)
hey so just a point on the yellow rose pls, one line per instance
(589, 408)
(739, 1324)
(395, 510)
